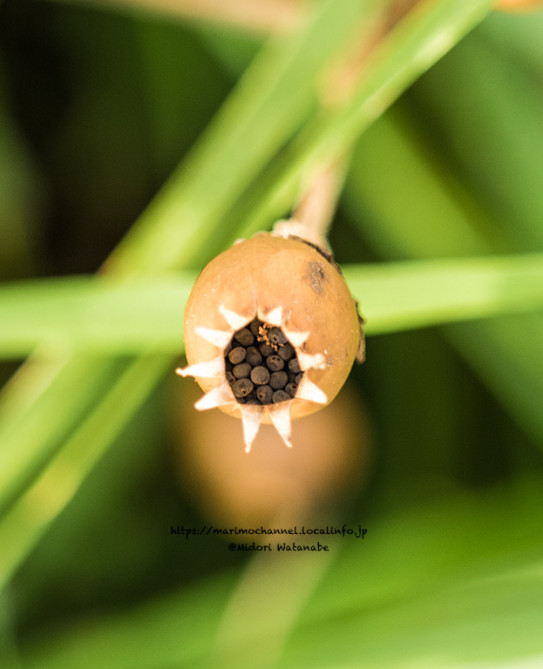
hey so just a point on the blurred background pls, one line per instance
(434, 444)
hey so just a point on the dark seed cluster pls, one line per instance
(261, 365)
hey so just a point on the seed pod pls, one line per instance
(272, 292)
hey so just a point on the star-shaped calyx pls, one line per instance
(262, 369)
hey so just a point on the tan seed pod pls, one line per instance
(287, 303)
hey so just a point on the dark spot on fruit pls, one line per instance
(317, 277)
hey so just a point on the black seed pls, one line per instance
(264, 394)
(275, 363)
(242, 370)
(237, 355)
(280, 396)
(299, 377)
(291, 388)
(230, 377)
(253, 356)
(260, 376)
(252, 400)
(242, 388)
(278, 380)
(294, 366)
(276, 336)
(266, 349)
(244, 337)
(286, 352)
(254, 326)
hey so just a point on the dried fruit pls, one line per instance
(271, 332)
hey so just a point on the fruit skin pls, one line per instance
(260, 274)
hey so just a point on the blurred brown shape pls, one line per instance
(519, 5)
(273, 484)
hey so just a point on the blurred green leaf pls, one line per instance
(265, 111)
(445, 584)
(40, 408)
(103, 316)
(273, 98)
(398, 296)
(29, 516)
(225, 160)
(493, 131)
(466, 589)
(392, 226)
(94, 314)
(163, 626)
(410, 49)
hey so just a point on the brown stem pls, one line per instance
(312, 216)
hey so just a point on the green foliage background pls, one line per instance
(154, 142)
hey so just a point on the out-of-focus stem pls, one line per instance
(343, 78)
(313, 215)
(262, 16)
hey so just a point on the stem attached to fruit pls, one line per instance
(312, 216)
